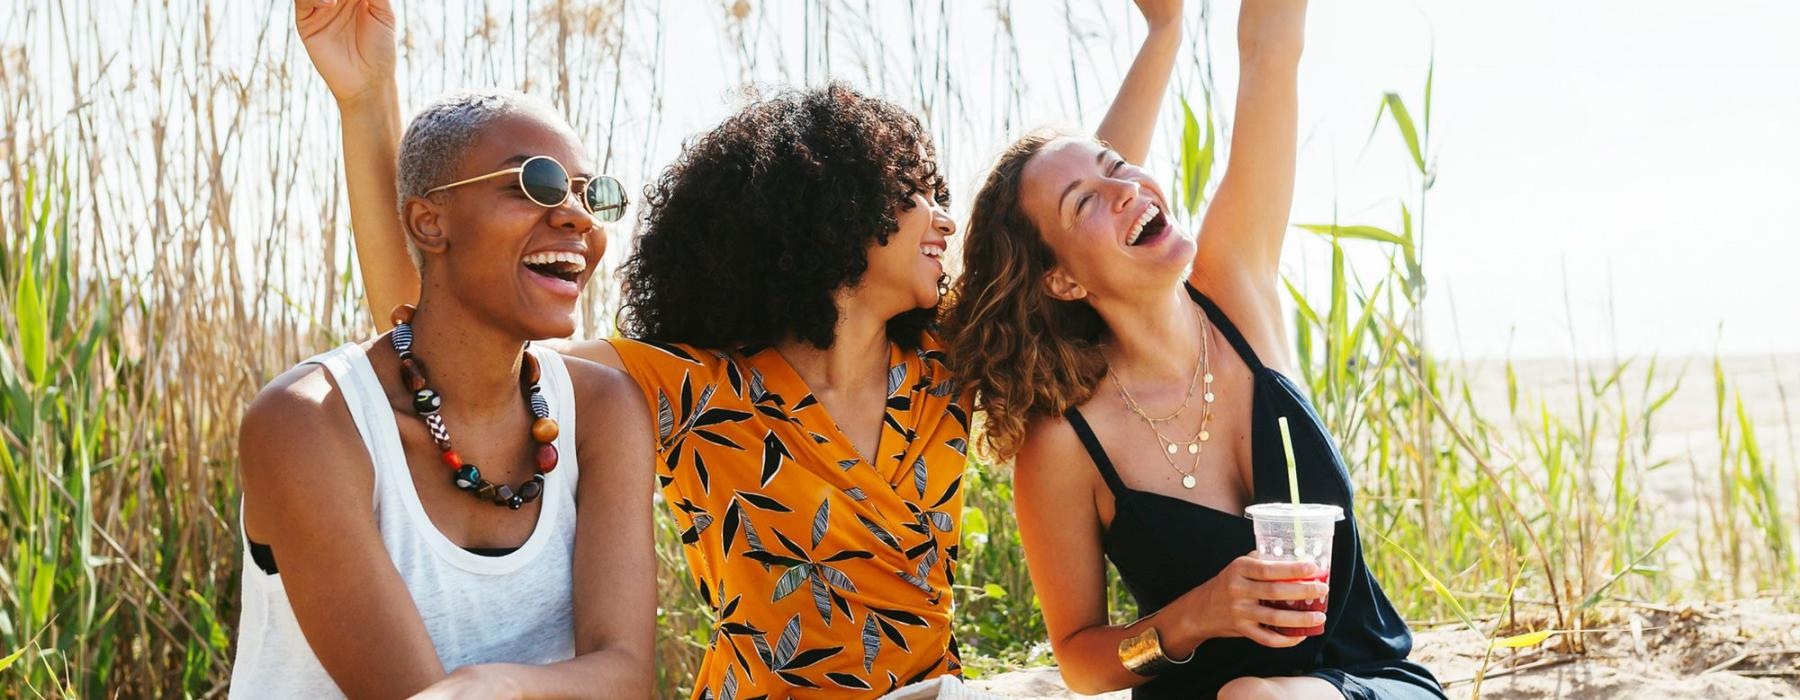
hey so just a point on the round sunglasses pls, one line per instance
(547, 184)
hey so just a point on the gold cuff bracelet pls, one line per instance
(1143, 654)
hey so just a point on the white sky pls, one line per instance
(1637, 157)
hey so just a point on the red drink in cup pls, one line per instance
(1296, 532)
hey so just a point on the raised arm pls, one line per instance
(351, 43)
(1131, 119)
(1244, 225)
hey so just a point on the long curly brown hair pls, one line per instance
(1027, 355)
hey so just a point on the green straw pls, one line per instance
(1287, 445)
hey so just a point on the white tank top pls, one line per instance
(455, 590)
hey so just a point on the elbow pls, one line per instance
(639, 685)
(1080, 674)
(636, 677)
(1085, 682)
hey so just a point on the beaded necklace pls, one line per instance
(429, 404)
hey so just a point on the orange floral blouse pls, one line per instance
(828, 576)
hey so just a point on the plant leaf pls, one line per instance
(1529, 639)
(1403, 120)
(1436, 585)
(1366, 233)
(34, 332)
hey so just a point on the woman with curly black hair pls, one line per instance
(778, 315)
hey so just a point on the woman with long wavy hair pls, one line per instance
(1139, 401)
(779, 310)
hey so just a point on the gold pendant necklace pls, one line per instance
(1195, 444)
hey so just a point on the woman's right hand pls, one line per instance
(351, 43)
(1230, 604)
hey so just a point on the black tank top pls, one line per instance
(1163, 547)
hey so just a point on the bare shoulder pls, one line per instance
(613, 420)
(1051, 458)
(602, 388)
(599, 351)
(299, 447)
(303, 404)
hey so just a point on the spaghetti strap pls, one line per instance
(1091, 443)
(1225, 326)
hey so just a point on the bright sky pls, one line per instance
(1636, 159)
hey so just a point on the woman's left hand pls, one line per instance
(1161, 13)
(480, 681)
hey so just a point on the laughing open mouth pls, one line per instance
(562, 265)
(1149, 227)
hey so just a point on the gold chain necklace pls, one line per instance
(1196, 443)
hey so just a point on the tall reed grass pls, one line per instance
(175, 236)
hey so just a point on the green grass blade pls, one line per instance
(1529, 639)
(1397, 109)
(1595, 597)
(34, 328)
(1366, 233)
(1442, 591)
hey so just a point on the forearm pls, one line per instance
(1264, 142)
(1247, 219)
(1090, 658)
(613, 673)
(1131, 119)
(1271, 30)
(371, 132)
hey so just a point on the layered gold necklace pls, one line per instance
(1202, 379)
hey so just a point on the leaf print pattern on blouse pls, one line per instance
(827, 574)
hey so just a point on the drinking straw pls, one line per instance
(1287, 445)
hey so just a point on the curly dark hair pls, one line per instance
(747, 236)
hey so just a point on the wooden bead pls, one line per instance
(412, 370)
(545, 430)
(452, 459)
(503, 494)
(546, 458)
(528, 370)
(487, 491)
(530, 490)
(402, 314)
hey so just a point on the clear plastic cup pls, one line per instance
(1296, 532)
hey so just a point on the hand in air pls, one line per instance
(351, 43)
